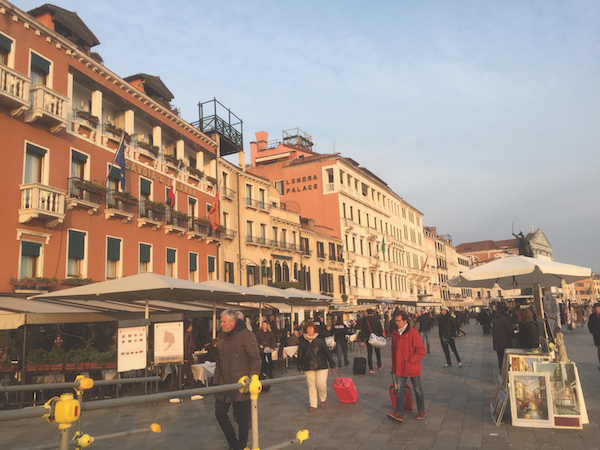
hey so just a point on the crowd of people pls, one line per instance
(240, 352)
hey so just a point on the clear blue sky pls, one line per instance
(479, 114)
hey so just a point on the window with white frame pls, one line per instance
(31, 253)
(39, 70)
(34, 164)
(76, 254)
(6, 45)
(145, 258)
(193, 267)
(113, 257)
(171, 269)
(212, 271)
(279, 186)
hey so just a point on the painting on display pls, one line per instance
(565, 392)
(530, 400)
(168, 343)
(499, 400)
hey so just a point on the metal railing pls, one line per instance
(79, 190)
(257, 204)
(115, 200)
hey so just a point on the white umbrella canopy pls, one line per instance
(236, 293)
(310, 295)
(520, 272)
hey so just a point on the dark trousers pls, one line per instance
(186, 371)
(500, 353)
(370, 355)
(243, 412)
(341, 348)
(452, 345)
(266, 365)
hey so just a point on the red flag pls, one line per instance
(213, 214)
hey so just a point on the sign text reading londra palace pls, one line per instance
(151, 174)
(300, 184)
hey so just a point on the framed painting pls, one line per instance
(530, 401)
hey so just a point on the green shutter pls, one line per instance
(211, 264)
(34, 149)
(79, 156)
(171, 252)
(5, 43)
(40, 63)
(144, 253)
(113, 249)
(114, 173)
(145, 185)
(76, 244)
(193, 262)
(30, 249)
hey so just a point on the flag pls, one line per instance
(213, 214)
(120, 160)
(425, 263)
(171, 189)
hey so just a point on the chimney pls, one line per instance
(242, 160)
(261, 140)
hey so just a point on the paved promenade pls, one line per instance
(457, 405)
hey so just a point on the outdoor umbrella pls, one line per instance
(520, 272)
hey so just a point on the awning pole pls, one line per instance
(259, 314)
(147, 310)
(291, 319)
(214, 330)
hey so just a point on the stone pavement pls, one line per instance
(457, 404)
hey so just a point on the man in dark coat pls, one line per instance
(237, 357)
(371, 324)
(502, 333)
(594, 327)
(188, 356)
(340, 331)
(425, 323)
(447, 330)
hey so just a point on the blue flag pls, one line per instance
(120, 160)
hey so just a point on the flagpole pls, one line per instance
(121, 142)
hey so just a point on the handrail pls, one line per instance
(74, 384)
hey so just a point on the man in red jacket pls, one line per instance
(407, 352)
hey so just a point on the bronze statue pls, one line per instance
(524, 245)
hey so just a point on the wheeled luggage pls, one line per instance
(408, 401)
(345, 390)
(360, 366)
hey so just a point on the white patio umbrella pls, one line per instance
(520, 272)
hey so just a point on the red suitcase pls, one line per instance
(345, 390)
(408, 401)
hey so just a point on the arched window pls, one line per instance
(320, 281)
(263, 271)
(296, 278)
(286, 272)
(277, 272)
(308, 282)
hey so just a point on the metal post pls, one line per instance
(214, 328)
(65, 439)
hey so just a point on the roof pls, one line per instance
(69, 20)
(152, 83)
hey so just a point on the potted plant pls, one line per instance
(89, 186)
(151, 148)
(39, 283)
(195, 172)
(117, 131)
(180, 215)
(172, 159)
(125, 196)
(36, 359)
(92, 120)
(76, 281)
(203, 222)
(155, 206)
(211, 179)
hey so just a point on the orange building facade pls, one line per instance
(69, 219)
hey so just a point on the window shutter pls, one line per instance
(30, 249)
(113, 249)
(114, 173)
(76, 244)
(40, 63)
(36, 150)
(211, 264)
(145, 185)
(79, 156)
(171, 252)
(145, 253)
(193, 262)
(5, 43)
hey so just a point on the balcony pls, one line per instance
(198, 228)
(47, 106)
(84, 195)
(149, 217)
(215, 235)
(255, 204)
(118, 205)
(321, 255)
(305, 252)
(43, 202)
(348, 224)
(176, 223)
(227, 193)
(372, 234)
(350, 257)
(14, 90)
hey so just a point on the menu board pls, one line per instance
(132, 348)
(168, 343)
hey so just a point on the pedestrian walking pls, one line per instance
(502, 332)
(371, 324)
(313, 360)
(188, 356)
(340, 331)
(447, 331)
(237, 357)
(425, 323)
(528, 335)
(407, 352)
(594, 327)
(266, 344)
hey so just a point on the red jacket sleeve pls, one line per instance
(419, 348)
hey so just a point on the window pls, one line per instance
(34, 164)
(305, 246)
(248, 194)
(283, 238)
(229, 272)
(285, 272)
(308, 280)
(342, 284)
(193, 267)
(261, 198)
(5, 47)
(78, 166)
(275, 236)
(145, 258)
(39, 70)
(211, 268)
(344, 210)
(332, 253)
(171, 263)
(249, 229)
(279, 186)
(30, 259)
(365, 190)
(113, 258)
(358, 215)
(263, 233)
(320, 250)
(361, 247)
(192, 207)
(330, 176)
(278, 272)
(76, 254)
(341, 176)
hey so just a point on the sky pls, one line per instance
(482, 115)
